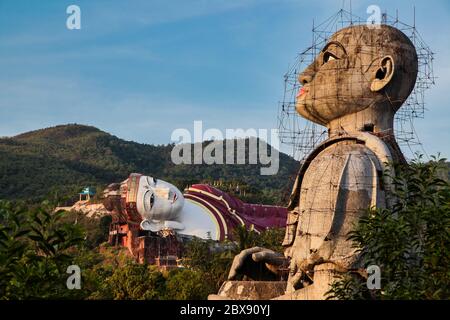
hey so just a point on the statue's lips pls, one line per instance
(301, 92)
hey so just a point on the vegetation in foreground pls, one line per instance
(410, 242)
(37, 246)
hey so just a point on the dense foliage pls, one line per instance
(410, 242)
(37, 245)
(35, 251)
(55, 163)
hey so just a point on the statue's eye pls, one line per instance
(328, 56)
(149, 200)
(152, 200)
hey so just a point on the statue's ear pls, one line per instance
(383, 74)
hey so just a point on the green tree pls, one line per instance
(409, 242)
(96, 230)
(271, 239)
(136, 282)
(198, 254)
(35, 251)
(187, 284)
(245, 238)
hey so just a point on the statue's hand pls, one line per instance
(257, 263)
(302, 271)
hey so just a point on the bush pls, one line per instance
(409, 242)
(35, 251)
(136, 282)
(97, 230)
(187, 284)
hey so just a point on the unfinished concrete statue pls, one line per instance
(354, 87)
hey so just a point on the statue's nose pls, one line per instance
(305, 78)
(307, 75)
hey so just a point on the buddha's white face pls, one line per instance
(158, 200)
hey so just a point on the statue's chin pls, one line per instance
(153, 226)
(303, 110)
(157, 225)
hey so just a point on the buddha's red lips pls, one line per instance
(302, 91)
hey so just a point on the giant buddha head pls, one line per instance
(158, 201)
(359, 79)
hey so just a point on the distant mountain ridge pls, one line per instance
(60, 160)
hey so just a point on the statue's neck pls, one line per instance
(377, 120)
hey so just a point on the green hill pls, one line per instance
(57, 162)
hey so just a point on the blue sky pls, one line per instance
(140, 69)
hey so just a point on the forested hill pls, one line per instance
(59, 161)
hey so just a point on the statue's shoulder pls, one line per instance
(363, 143)
(368, 150)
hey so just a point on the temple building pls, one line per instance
(87, 193)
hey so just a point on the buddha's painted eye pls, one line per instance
(328, 56)
(149, 200)
(152, 200)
